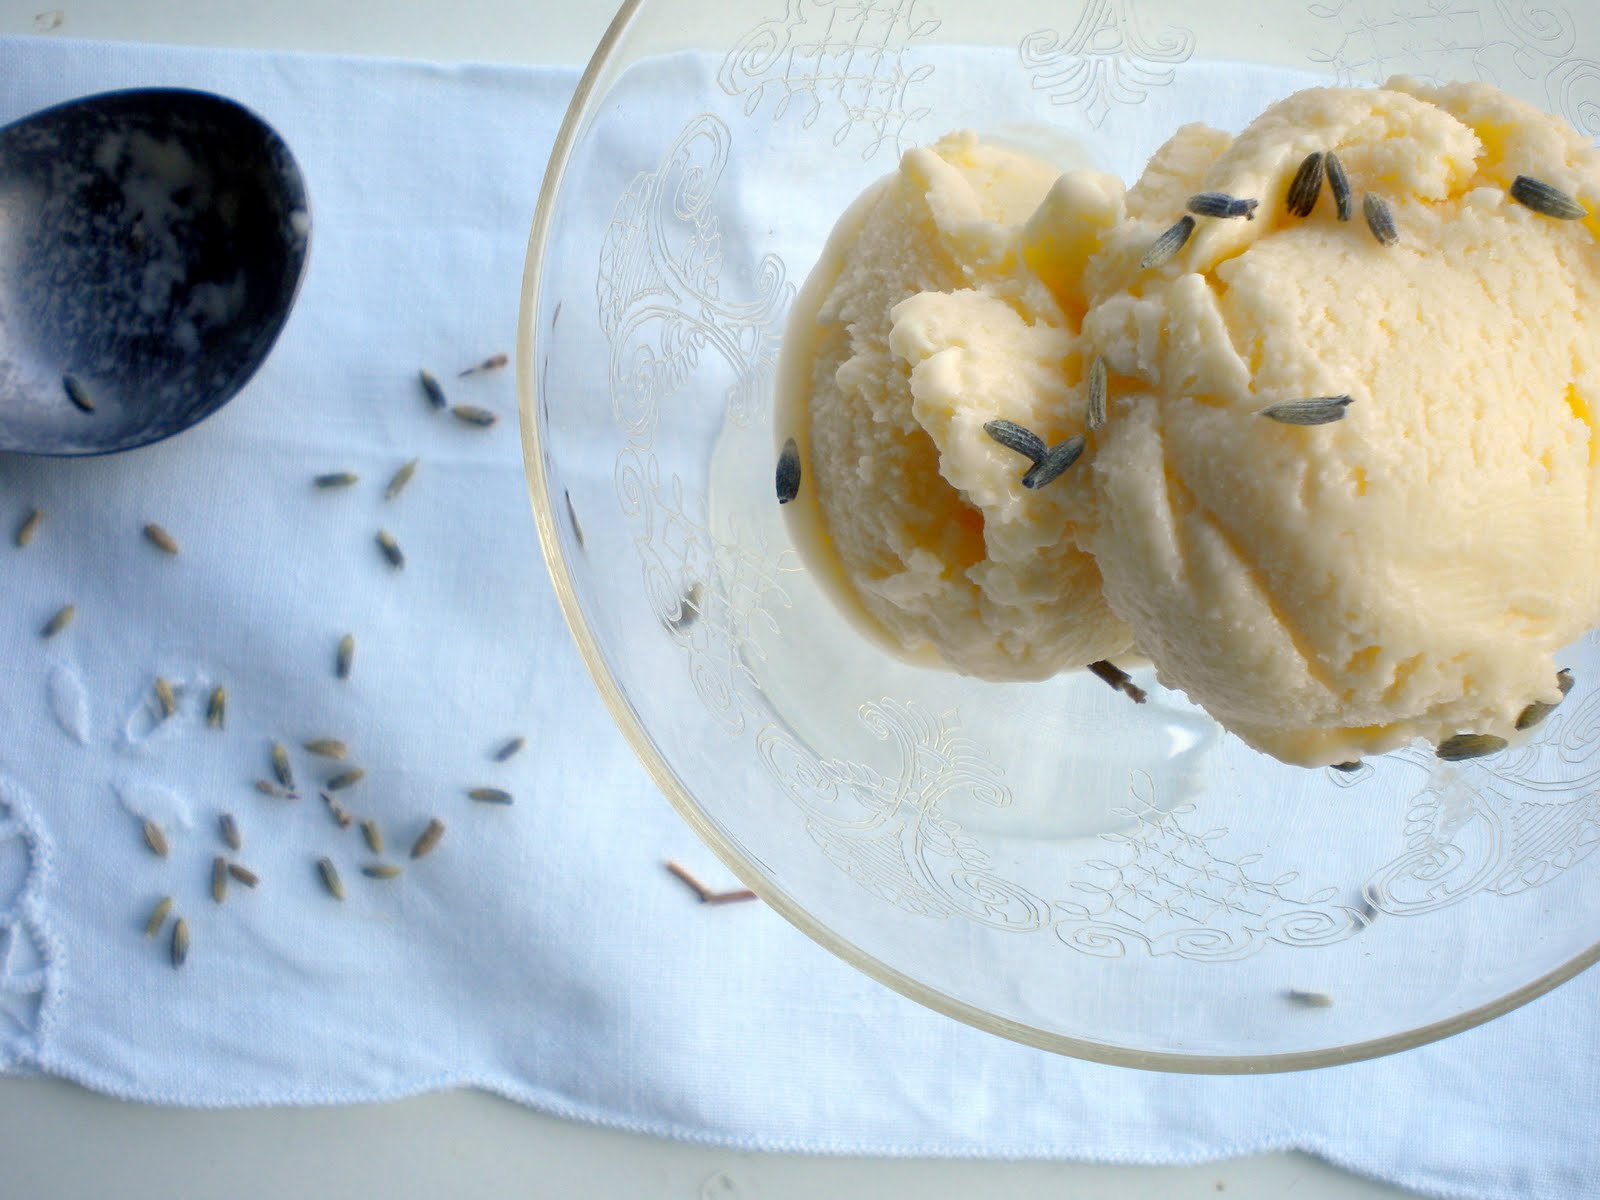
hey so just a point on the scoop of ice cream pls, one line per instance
(1409, 571)
(921, 323)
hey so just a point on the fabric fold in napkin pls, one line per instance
(540, 950)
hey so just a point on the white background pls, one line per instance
(59, 1141)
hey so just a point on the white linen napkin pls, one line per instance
(540, 951)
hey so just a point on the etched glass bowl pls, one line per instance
(1045, 861)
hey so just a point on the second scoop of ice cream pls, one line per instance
(922, 323)
(1410, 570)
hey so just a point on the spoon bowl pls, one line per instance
(152, 243)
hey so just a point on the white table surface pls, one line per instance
(57, 1140)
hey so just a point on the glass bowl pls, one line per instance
(1045, 861)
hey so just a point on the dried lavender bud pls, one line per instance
(1469, 745)
(1049, 468)
(1379, 219)
(1096, 406)
(1317, 410)
(1305, 187)
(1222, 205)
(1546, 200)
(788, 478)
(1014, 437)
(1339, 182)
(1168, 244)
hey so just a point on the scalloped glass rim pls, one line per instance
(528, 346)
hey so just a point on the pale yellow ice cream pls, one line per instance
(921, 323)
(1408, 571)
(1324, 592)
